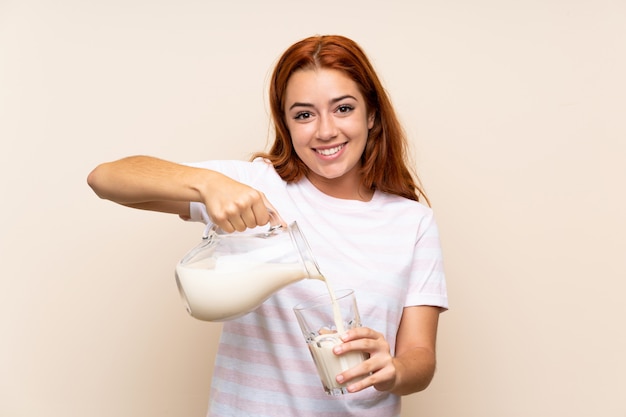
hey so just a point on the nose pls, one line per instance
(326, 128)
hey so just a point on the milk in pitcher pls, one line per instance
(226, 293)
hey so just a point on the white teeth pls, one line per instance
(331, 151)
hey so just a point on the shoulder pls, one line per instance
(408, 215)
(403, 206)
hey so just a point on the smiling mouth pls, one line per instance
(330, 151)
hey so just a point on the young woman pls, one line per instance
(338, 166)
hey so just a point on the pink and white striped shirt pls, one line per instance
(386, 249)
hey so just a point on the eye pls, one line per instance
(303, 115)
(344, 108)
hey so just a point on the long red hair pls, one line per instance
(384, 163)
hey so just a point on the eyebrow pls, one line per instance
(333, 101)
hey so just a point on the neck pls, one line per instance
(342, 188)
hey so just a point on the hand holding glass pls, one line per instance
(322, 329)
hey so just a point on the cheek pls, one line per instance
(358, 131)
(300, 134)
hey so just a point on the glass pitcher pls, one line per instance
(228, 275)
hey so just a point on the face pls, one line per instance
(329, 123)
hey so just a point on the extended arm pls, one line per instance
(150, 183)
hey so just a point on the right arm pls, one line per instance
(150, 183)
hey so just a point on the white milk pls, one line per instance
(330, 365)
(229, 292)
(336, 311)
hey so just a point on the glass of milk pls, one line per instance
(323, 319)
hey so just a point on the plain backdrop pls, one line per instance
(516, 111)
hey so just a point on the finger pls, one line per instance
(360, 333)
(361, 384)
(357, 378)
(236, 221)
(235, 225)
(379, 373)
(225, 226)
(223, 223)
(260, 212)
(248, 218)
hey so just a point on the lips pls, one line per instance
(330, 151)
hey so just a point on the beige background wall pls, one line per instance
(516, 111)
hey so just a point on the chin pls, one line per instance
(330, 175)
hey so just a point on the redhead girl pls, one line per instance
(338, 166)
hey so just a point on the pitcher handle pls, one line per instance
(276, 223)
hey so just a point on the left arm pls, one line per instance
(413, 366)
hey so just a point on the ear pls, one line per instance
(370, 120)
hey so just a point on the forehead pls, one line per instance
(319, 84)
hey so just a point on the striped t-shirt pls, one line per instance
(386, 249)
